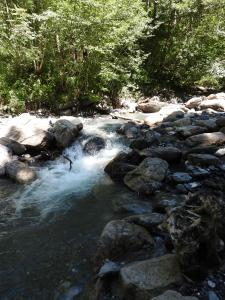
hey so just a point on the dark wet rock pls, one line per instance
(203, 159)
(186, 121)
(120, 240)
(151, 105)
(134, 157)
(170, 154)
(195, 231)
(147, 278)
(181, 177)
(210, 124)
(94, 145)
(204, 139)
(150, 136)
(130, 130)
(150, 221)
(188, 187)
(146, 178)
(187, 131)
(139, 144)
(118, 171)
(120, 166)
(172, 112)
(172, 295)
(65, 132)
(20, 172)
(109, 269)
(128, 204)
(166, 201)
(198, 172)
(15, 147)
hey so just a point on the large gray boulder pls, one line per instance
(29, 131)
(217, 104)
(173, 295)
(147, 177)
(65, 132)
(151, 105)
(148, 277)
(120, 239)
(15, 147)
(170, 154)
(194, 102)
(20, 172)
(119, 166)
(206, 139)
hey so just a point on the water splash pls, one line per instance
(57, 188)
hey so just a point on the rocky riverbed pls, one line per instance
(165, 236)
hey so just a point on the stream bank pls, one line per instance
(161, 203)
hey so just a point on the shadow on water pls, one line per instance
(35, 260)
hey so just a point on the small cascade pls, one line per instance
(58, 187)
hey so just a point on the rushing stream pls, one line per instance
(48, 229)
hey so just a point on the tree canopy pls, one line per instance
(59, 51)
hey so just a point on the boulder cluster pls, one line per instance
(176, 166)
(27, 139)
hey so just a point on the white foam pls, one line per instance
(57, 185)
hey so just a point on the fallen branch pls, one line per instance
(69, 160)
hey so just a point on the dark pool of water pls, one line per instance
(52, 259)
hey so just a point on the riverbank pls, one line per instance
(162, 208)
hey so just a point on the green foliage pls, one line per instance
(187, 41)
(62, 51)
(68, 49)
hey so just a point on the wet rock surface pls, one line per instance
(148, 276)
(29, 139)
(94, 145)
(64, 132)
(121, 240)
(147, 177)
(181, 172)
(168, 231)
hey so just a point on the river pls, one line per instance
(49, 229)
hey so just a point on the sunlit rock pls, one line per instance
(20, 172)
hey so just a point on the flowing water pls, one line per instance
(49, 229)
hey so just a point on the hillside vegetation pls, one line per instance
(54, 52)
